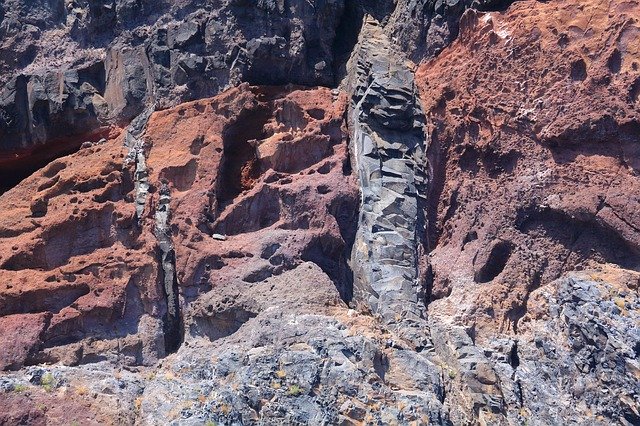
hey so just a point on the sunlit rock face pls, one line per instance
(319, 212)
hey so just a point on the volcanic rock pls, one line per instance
(76, 68)
(319, 212)
(95, 276)
(534, 164)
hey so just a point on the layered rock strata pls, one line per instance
(74, 68)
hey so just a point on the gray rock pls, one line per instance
(388, 144)
(93, 63)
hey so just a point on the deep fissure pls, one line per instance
(173, 323)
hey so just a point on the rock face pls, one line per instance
(533, 181)
(423, 28)
(583, 326)
(101, 250)
(320, 212)
(390, 158)
(72, 68)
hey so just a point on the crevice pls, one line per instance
(346, 213)
(443, 394)
(428, 285)
(346, 38)
(173, 322)
(514, 359)
(437, 158)
(239, 167)
(519, 393)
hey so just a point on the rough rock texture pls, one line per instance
(581, 337)
(389, 156)
(454, 241)
(304, 358)
(300, 358)
(90, 265)
(535, 161)
(70, 68)
(76, 270)
(423, 28)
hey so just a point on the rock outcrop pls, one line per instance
(320, 212)
(389, 155)
(101, 250)
(535, 163)
(73, 69)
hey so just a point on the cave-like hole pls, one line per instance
(240, 168)
(578, 70)
(497, 260)
(614, 63)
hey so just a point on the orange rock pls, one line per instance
(265, 167)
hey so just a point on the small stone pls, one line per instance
(39, 207)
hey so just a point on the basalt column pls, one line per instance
(388, 148)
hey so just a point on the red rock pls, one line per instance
(267, 167)
(21, 334)
(533, 119)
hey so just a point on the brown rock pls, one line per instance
(258, 181)
(22, 335)
(533, 119)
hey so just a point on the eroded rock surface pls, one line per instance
(535, 162)
(444, 232)
(102, 249)
(72, 68)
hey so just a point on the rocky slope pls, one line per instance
(320, 212)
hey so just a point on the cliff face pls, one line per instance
(320, 212)
(532, 179)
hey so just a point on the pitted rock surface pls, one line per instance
(445, 231)
(535, 163)
(220, 166)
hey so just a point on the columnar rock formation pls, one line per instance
(320, 212)
(389, 154)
